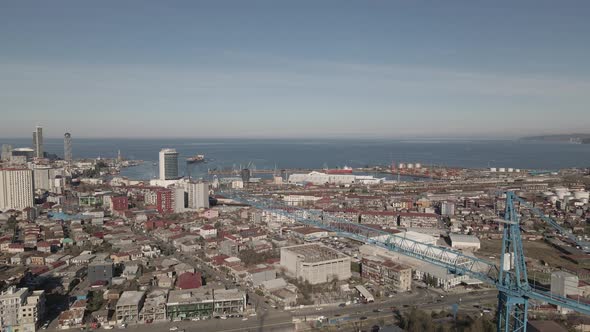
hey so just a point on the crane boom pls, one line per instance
(455, 261)
(584, 245)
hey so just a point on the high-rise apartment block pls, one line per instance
(38, 142)
(16, 189)
(198, 195)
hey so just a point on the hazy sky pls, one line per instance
(294, 69)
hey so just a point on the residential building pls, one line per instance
(164, 201)
(178, 200)
(154, 307)
(21, 310)
(204, 302)
(129, 305)
(198, 195)
(100, 271)
(119, 203)
(447, 208)
(42, 176)
(16, 189)
(387, 273)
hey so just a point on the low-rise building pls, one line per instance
(21, 309)
(462, 241)
(100, 271)
(204, 302)
(154, 307)
(129, 305)
(387, 273)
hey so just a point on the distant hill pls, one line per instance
(574, 138)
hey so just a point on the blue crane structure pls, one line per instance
(510, 278)
(582, 244)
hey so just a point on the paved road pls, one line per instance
(358, 312)
(278, 322)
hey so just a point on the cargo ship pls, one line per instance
(343, 170)
(195, 159)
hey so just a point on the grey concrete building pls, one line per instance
(315, 263)
(100, 271)
(129, 305)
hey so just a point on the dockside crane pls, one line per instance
(510, 278)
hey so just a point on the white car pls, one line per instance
(108, 327)
(245, 318)
(195, 319)
(174, 328)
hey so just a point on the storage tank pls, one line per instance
(401, 165)
(418, 165)
(410, 165)
(510, 169)
(552, 199)
(502, 169)
(493, 169)
(562, 194)
(517, 170)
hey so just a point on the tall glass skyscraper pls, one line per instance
(168, 164)
(38, 142)
(67, 147)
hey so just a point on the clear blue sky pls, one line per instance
(294, 69)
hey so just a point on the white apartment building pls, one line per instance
(198, 195)
(16, 189)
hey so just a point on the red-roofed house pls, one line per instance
(119, 203)
(219, 260)
(208, 231)
(210, 214)
(14, 248)
(120, 257)
(189, 280)
(44, 246)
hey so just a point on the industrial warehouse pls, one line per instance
(315, 263)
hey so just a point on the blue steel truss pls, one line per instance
(582, 244)
(510, 278)
(512, 282)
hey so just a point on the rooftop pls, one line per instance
(314, 252)
(129, 298)
(464, 238)
(190, 296)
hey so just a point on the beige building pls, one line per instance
(315, 263)
(16, 189)
(387, 273)
(198, 195)
(21, 310)
(129, 305)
